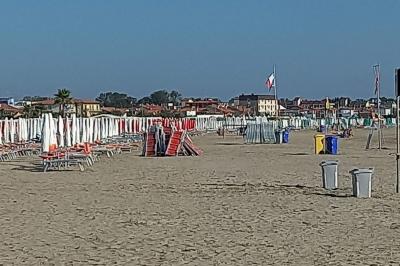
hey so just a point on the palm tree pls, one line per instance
(63, 97)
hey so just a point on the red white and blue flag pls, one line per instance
(270, 82)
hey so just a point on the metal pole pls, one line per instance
(276, 95)
(378, 88)
(223, 127)
(398, 143)
(397, 132)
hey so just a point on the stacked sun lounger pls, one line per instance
(168, 141)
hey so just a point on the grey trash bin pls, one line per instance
(329, 174)
(362, 182)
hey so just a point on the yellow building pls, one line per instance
(87, 108)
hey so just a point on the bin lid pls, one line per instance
(324, 163)
(331, 136)
(362, 170)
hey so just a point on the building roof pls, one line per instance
(52, 101)
(114, 110)
(312, 102)
(194, 102)
(44, 102)
(152, 107)
(9, 108)
(85, 101)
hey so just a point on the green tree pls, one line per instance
(116, 99)
(175, 97)
(145, 100)
(160, 97)
(63, 97)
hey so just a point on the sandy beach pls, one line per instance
(237, 204)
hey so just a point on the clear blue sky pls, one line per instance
(201, 48)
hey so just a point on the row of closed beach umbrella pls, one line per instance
(214, 123)
(66, 132)
(73, 130)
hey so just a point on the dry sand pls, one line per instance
(236, 205)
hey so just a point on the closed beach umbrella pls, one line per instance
(38, 127)
(25, 132)
(110, 127)
(6, 131)
(98, 129)
(91, 130)
(45, 134)
(1, 131)
(73, 130)
(78, 131)
(129, 125)
(19, 129)
(67, 133)
(33, 126)
(60, 131)
(53, 130)
(95, 129)
(116, 127)
(12, 130)
(32, 129)
(84, 129)
(105, 128)
(102, 127)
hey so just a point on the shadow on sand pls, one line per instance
(228, 143)
(292, 189)
(295, 154)
(313, 191)
(30, 168)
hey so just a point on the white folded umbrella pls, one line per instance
(61, 131)
(46, 133)
(67, 132)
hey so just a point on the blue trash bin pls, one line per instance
(331, 144)
(285, 136)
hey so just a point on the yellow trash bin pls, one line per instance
(319, 143)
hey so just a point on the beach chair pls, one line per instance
(60, 159)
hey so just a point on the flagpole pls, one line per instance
(276, 95)
(378, 94)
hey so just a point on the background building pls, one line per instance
(259, 104)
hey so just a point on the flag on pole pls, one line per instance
(270, 82)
